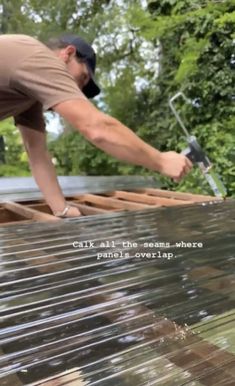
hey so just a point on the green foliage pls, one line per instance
(13, 170)
(15, 162)
(13, 20)
(191, 52)
(74, 155)
(118, 95)
(227, 18)
(198, 56)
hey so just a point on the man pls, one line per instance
(60, 77)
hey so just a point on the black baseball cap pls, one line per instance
(86, 53)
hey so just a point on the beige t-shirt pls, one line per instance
(32, 79)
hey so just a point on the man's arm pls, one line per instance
(110, 135)
(43, 169)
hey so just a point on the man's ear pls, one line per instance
(69, 53)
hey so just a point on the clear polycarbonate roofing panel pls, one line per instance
(126, 299)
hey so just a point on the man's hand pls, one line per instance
(174, 165)
(73, 212)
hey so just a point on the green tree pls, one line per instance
(15, 158)
(197, 46)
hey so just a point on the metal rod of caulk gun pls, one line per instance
(194, 148)
(195, 153)
(171, 100)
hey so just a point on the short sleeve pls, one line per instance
(43, 77)
(32, 118)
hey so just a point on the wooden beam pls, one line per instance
(29, 213)
(178, 195)
(41, 207)
(111, 202)
(15, 223)
(88, 210)
(30, 202)
(7, 215)
(147, 199)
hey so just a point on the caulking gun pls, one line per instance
(195, 153)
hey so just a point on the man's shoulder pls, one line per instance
(18, 38)
(20, 42)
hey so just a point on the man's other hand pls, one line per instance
(73, 212)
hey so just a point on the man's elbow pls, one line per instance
(96, 130)
(88, 130)
(86, 118)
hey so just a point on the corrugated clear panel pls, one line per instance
(89, 294)
(25, 188)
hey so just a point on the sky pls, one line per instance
(53, 125)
